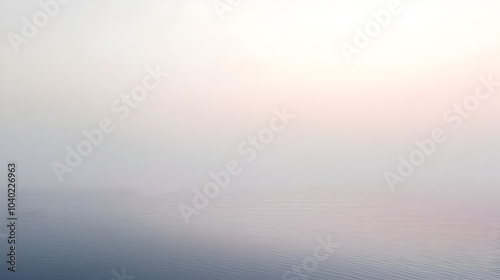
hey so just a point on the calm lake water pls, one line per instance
(87, 236)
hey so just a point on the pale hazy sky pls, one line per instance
(353, 120)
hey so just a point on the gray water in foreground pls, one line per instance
(109, 236)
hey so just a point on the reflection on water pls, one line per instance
(252, 237)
